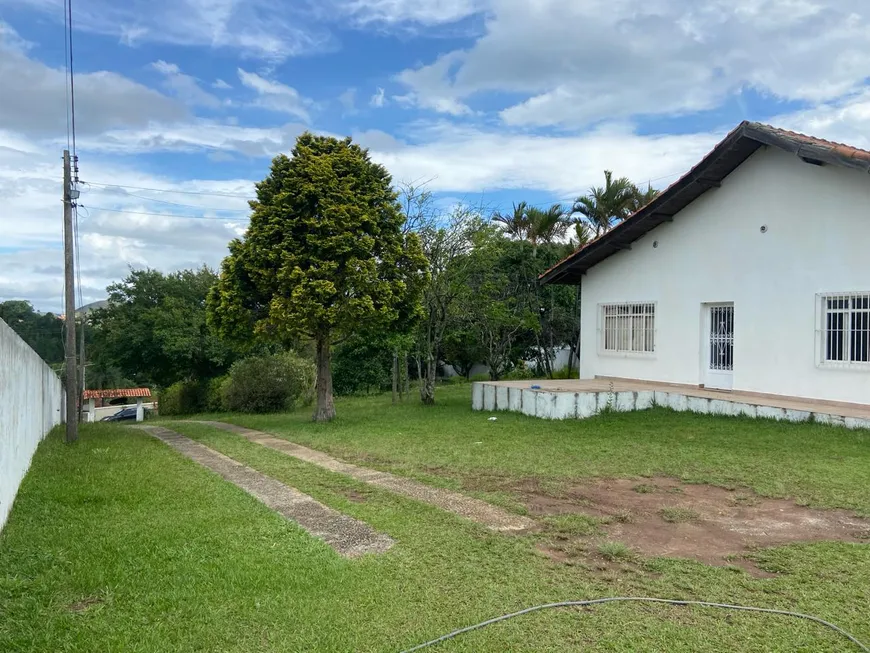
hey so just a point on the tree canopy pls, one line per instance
(325, 255)
(154, 332)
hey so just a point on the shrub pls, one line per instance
(214, 394)
(182, 398)
(268, 384)
(566, 373)
(479, 377)
(361, 367)
(519, 373)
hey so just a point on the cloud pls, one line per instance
(423, 12)
(184, 87)
(254, 28)
(201, 135)
(379, 99)
(221, 85)
(348, 101)
(31, 257)
(581, 62)
(469, 159)
(34, 98)
(275, 96)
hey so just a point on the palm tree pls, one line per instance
(640, 198)
(546, 226)
(516, 224)
(604, 206)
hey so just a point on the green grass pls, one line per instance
(117, 543)
(828, 467)
(614, 551)
(674, 515)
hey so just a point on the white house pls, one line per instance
(751, 273)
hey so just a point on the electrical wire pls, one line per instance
(567, 604)
(171, 190)
(167, 215)
(187, 206)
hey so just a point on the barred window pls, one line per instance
(629, 327)
(846, 328)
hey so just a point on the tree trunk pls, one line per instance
(427, 385)
(325, 410)
(407, 374)
(395, 377)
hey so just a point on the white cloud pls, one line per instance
(348, 101)
(581, 62)
(34, 97)
(424, 12)
(221, 85)
(379, 99)
(255, 28)
(31, 260)
(466, 159)
(275, 96)
(184, 87)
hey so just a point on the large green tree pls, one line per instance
(42, 331)
(325, 255)
(154, 330)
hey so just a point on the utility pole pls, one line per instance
(72, 395)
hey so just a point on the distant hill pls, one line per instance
(93, 306)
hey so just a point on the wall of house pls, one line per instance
(31, 398)
(817, 241)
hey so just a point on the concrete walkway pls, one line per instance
(473, 509)
(348, 536)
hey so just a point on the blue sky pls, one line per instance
(487, 101)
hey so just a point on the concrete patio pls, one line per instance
(578, 399)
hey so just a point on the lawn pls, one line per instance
(117, 543)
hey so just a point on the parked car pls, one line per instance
(122, 415)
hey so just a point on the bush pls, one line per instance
(214, 394)
(182, 398)
(269, 384)
(519, 373)
(361, 367)
(565, 373)
(480, 377)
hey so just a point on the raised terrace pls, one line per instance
(581, 398)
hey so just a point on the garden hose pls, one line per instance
(566, 604)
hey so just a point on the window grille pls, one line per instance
(629, 328)
(846, 328)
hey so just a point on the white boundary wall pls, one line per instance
(580, 405)
(31, 402)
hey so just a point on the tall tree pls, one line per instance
(324, 255)
(640, 197)
(42, 331)
(154, 331)
(446, 244)
(516, 223)
(604, 206)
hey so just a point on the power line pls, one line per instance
(166, 215)
(170, 190)
(188, 206)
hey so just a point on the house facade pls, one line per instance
(750, 273)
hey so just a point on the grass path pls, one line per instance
(116, 543)
(460, 504)
(349, 537)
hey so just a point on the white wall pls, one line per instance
(31, 398)
(817, 241)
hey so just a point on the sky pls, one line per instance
(181, 104)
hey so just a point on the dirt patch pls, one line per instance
(355, 496)
(710, 524)
(84, 604)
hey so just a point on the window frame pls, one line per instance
(822, 330)
(626, 353)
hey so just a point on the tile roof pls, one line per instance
(725, 157)
(117, 393)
